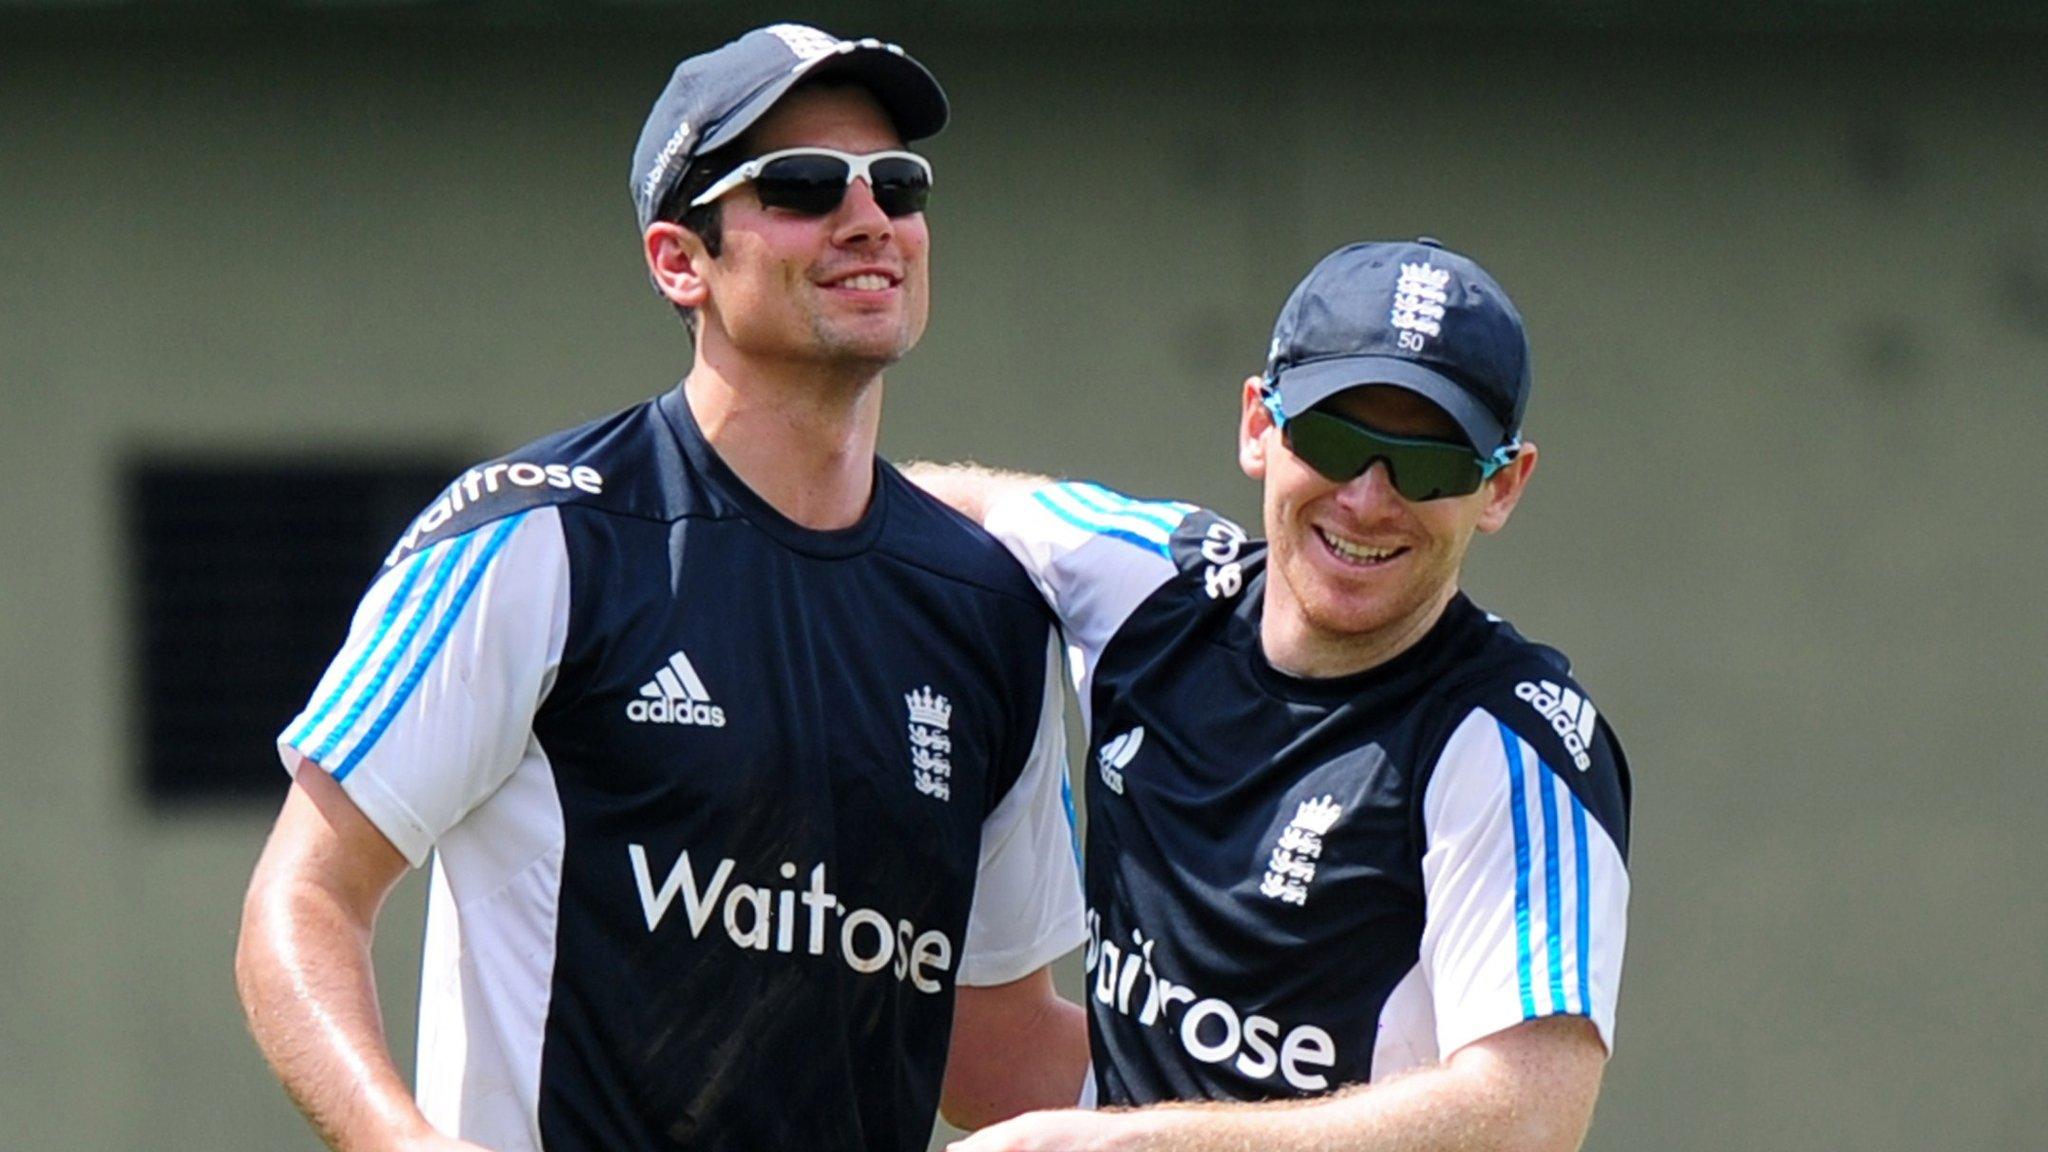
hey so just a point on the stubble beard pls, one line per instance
(1338, 621)
(858, 350)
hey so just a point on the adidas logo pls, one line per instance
(676, 696)
(1116, 754)
(1571, 716)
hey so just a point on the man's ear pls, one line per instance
(1252, 425)
(1504, 489)
(677, 261)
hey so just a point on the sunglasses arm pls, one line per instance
(1501, 458)
(728, 182)
(1270, 398)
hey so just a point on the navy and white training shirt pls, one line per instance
(721, 809)
(1298, 884)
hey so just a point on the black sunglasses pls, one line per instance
(1420, 469)
(812, 181)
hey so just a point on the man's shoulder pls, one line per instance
(1527, 692)
(927, 534)
(1212, 553)
(1526, 685)
(625, 463)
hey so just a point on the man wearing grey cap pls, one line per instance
(737, 756)
(1356, 849)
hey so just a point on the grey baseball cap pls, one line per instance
(1413, 314)
(715, 96)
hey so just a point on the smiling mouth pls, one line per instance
(1357, 555)
(866, 282)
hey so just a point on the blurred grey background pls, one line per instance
(1786, 271)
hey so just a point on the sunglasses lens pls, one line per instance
(814, 184)
(1330, 446)
(1425, 473)
(901, 186)
(1420, 469)
(811, 185)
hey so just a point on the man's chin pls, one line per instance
(1344, 609)
(876, 349)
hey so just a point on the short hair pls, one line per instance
(705, 221)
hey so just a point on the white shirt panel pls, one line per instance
(429, 705)
(441, 1047)
(487, 970)
(1406, 1037)
(1527, 895)
(1094, 554)
(1027, 892)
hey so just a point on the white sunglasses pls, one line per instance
(812, 181)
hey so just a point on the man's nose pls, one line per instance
(859, 218)
(1371, 491)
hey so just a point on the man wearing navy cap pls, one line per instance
(1356, 849)
(737, 756)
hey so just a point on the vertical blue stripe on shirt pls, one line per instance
(1553, 883)
(1519, 808)
(1100, 499)
(456, 548)
(1073, 822)
(433, 645)
(1158, 547)
(1585, 903)
(412, 574)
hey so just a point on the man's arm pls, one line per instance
(1016, 1047)
(1529, 1088)
(971, 488)
(303, 970)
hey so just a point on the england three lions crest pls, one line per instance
(1292, 865)
(931, 749)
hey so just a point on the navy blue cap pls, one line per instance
(715, 96)
(1412, 314)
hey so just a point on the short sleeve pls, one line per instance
(1027, 892)
(1526, 885)
(429, 705)
(1094, 554)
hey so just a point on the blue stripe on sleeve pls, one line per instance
(1070, 500)
(412, 574)
(433, 645)
(1520, 809)
(1109, 503)
(456, 548)
(1157, 547)
(1553, 914)
(1585, 903)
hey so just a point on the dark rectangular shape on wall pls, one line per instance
(243, 578)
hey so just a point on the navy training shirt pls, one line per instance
(723, 809)
(1294, 885)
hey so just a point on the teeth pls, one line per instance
(1358, 552)
(871, 282)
